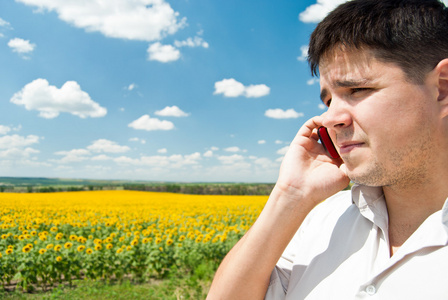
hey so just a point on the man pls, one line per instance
(384, 76)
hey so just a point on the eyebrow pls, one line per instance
(345, 84)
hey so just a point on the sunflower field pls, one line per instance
(47, 239)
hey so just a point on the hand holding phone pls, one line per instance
(326, 142)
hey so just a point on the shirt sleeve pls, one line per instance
(279, 280)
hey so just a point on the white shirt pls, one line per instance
(341, 251)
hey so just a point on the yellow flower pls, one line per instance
(73, 237)
(169, 242)
(134, 242)
(43, 238)
(57, 248)
(89, 251)
(42, 251)
(158, 240)
(68, 245)
(8, 251)
(128, 248)
(33, 233)
(81, 248)
(119, 250)
(21, 237)
(53, 229)
(49, 246)
(4, 236)
(98, 247)
(26, 249)
(181, 238)
(58, 259)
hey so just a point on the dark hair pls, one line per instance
(413, 34)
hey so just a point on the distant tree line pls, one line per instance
(182, 188)
(205, 189)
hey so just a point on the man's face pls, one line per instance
(380, 122)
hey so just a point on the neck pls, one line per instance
(408, 207)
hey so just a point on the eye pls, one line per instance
(358, 90)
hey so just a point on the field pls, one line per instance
(56, 239)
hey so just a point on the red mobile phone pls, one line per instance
(326, 142)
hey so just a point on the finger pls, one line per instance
(309, 126)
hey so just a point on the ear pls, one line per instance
(442, 73)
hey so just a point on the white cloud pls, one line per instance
(278, 142)
(21, 46)
(4, 129)
(174, 161)
(232, 88)
(231, 159)
(312, 81)
(316, 12)
(303, 53)
(144, 20)
(261, 142)
(162, 151)
(283, 150)
(208, 153)
(192, 42)
(51, 101)
(17, 141)
(256, 91)
(283, 114)
(233, 149)
(4, 23)
(101, 157)
(131, 86)
(145, 122)
(163, 53)
(17, 153)
(322, 106)
(107, 146)
(135, 139)
(171, 111)
(75, 155)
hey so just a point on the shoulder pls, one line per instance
(317, 228)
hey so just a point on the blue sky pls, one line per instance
(185, 90)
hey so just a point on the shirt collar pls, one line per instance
(372, 205)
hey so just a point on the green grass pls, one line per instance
(167, 289)
(180, 285)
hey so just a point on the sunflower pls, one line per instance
(89, 251)
(81, 248)
(58, 259)
(26, 249)
(68, 245)
(42, 251)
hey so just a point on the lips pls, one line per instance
(347, 147)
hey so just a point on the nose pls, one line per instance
(337, 116)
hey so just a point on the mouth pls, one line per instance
(349, 146)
